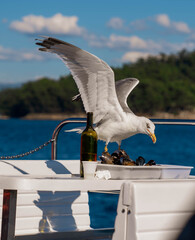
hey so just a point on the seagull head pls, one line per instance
(148, 127)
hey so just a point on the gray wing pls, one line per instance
(94, 78)
(123, 89)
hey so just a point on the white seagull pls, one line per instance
(113, 119)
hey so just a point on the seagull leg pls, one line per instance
(119, 145)
(106, 148)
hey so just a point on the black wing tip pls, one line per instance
(48, 42)
(39, 43)
(43, 49)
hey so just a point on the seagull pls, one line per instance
(114, 120)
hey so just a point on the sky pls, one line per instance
(116, 31)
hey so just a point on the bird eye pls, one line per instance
(147, 125)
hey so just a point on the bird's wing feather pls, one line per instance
(123, 89)
(94, 78)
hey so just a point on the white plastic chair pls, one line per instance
(154, 209)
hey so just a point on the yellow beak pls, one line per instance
(152, 135)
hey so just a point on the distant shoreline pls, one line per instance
(181, 115)
(59, 116)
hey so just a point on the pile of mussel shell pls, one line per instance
(120, 157)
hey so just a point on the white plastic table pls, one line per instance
(62, 182)
(65, 182)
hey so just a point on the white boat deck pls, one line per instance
(152, 209)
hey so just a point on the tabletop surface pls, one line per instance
(68, 182)
(64, 182)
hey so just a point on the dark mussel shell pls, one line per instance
(119, 156)
(116, 155)
(129, 162)
(106, 158)
(151, 163)
(124, 154)
(140, 161)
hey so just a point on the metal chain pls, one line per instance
(28, 153)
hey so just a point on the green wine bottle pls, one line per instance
(88, 143)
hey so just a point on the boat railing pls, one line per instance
(57, 131)
(83, 120)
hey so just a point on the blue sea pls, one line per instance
(175, 145)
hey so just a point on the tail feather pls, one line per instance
(77, 97)
(77, 130)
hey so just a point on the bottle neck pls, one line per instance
(89, 119)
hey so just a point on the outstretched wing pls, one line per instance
(94, 78)
(123, 89)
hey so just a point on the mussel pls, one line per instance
(150, 163)
(140, 161)
(129, 162)
(120, 157)
(106, 158)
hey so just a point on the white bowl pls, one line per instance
(146, 172)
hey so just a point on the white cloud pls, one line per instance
(115, 23)
(57, 24)
(192, 37)
(118, 42)
(134, 56)
(132, 42)
(165, 47)
(164, 20)
(190, 46)
(124, 43)
(146, 23)
(139, 24)
(15, 55)
(181, 27)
